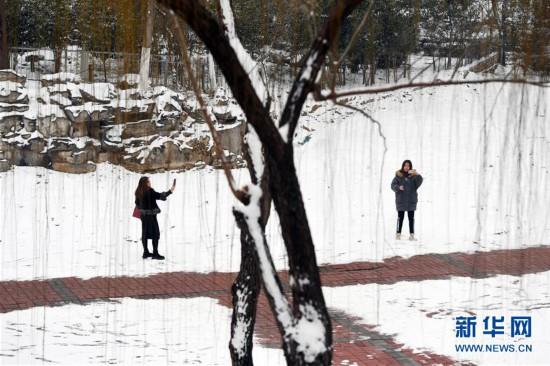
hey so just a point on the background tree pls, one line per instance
(4, 45)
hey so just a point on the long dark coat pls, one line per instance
(406, 200)
(149, 209)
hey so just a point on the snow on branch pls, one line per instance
(252, 216)
(255, 152)
(306, 331)
(247, 62)
(251, 68)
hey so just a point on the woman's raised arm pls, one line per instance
(160, 196)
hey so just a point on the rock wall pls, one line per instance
(63, 124)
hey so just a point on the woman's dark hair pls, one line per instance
(405, 162)
(142, 187)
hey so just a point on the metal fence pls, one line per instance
(166, 69)
(97, 66)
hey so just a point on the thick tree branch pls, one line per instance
(245, 291)
(308, 310)
(356, 34)
(249, 221)
(247, 285)
(305, 80)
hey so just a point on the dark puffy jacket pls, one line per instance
(406, 200)
(148, 203)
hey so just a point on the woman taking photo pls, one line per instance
(146, 205)
(404, 184)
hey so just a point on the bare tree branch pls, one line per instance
(356, 33)
(320, 95)
(335, 65)
(305, 80)
(368, 116)
(308, 309)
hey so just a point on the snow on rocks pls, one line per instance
(97, 92)
(60, 106)
(15, 107)
(12, 92)
(11, 75)
(69, 90)
(128, 81)
(61, 77)
(225, 110)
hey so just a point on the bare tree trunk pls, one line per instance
(84, 64)
(303, 269)
(4, 51)
(57, 59)
(212, 74)
(308, 304)
(372, 71)
(104, 59)
(246, 287)
(503, 34)
(501, 27)
(245, 292)
(145, 60)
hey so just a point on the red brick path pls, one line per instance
(354, 342)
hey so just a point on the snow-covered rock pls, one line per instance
(58, 78)
(143, 130)
(11, 75)
(12, 92)
(128, 81)
(97, 92)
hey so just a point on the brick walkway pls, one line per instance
(354, 342)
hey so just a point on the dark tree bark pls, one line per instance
(57, 60)
(284, 186)
(246, 287)
(503, 34)
(501, 23)
(4, 50)
(245, 292)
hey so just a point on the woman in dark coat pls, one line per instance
(404, 184)
(146, 202)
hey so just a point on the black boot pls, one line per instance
(146, 253)
(156, 254)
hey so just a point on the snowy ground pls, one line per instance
(421, 314)
(126, 331)
(483, 152)
(196, 331)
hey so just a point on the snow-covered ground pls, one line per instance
(422, 314)
(127, 331)
(483, 151)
